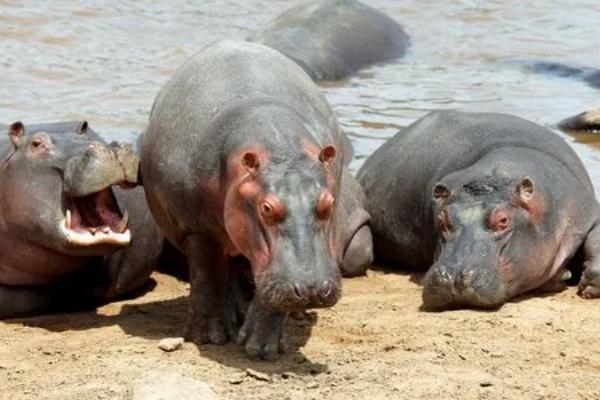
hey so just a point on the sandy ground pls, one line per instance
(375, 344)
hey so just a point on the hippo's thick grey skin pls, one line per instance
(65, 242)
(332, 39)
(240, 159)
(493, 205)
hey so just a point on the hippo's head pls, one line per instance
(280, 215)
(56, 190)
(488, 243)
(586, 122)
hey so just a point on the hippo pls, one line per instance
(587, 121)
(491, 205)
(242, 172)
(589, 75)
(333, 39)
(71, 236)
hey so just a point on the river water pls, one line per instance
(104, 61)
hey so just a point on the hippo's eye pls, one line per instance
(324, 205)
(272, 211)
(499, 220)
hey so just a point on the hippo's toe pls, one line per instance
(262, 333)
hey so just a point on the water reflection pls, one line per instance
(106, 60)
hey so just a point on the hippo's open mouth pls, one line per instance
(95, 219)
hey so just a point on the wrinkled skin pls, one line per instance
(587, 121)
(64, 239)
(333, 39)
(240, 161)
(492, 205)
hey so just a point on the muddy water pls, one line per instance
(105, 61)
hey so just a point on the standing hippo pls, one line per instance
(64, 240)
(493, 205)
(240, 158)
(332, 39)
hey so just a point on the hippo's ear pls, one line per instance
(441, 192)
(525, 190)
(327, 154)
(83, 127)
(251, 162)
(16, 133)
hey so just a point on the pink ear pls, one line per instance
(251, 162)
(327, 154)
(16, 133)
(525, 190)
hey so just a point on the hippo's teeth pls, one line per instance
(105, 229)
(124, 221)
(92, 230)
(566, 275)
(68, 219)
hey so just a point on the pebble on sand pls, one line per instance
(170, 344)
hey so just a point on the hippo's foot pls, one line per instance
(263, 332)
(208, 329)
(358, 256)
(589, 286)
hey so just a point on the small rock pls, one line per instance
(237, 379)
(562, 354)
(258, 375)
(160, 385)
(486, 384)
(171, 344)
(312, 385)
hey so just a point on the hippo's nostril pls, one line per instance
(441, 277)
(467, 277)
(298, 290)
(326, 289)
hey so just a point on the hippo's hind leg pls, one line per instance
(589, 286)
(263, 332)
(208, 322)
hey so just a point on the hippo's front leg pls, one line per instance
(589, 286)
(358, 256)
(263, 332)
(208, 281)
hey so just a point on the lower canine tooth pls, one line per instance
(122, 227)
(92, 230)
(68, 219)
(105, 229)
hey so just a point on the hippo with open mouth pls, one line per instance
(492, 205)
(69, 236)
(240, 161)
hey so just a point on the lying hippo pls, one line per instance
(66, 230)
(240, 159)
(332, 39)
(493, 205)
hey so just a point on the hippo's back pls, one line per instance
(332, 39)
